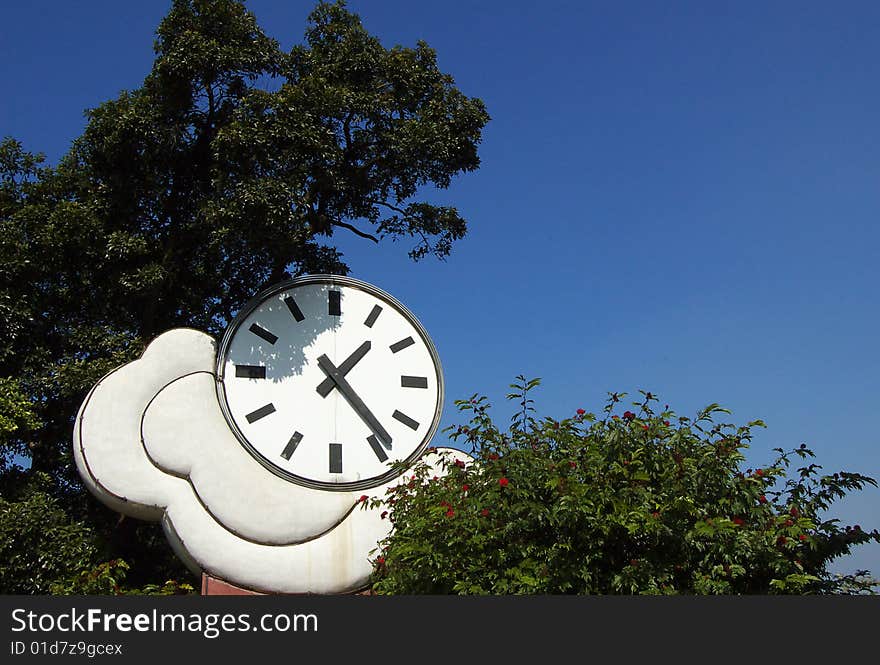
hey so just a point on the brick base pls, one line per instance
(212, 586)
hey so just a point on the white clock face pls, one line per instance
(327, 381)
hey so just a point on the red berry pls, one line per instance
(450, 513)
(503, 481)
(628, 415)
(363, 498)
(793, 512)
(484, 512)
(581, 412)
(465, 488)
(762, 499)
(803, 537)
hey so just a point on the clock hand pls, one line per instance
(326, 386)
(356, 402)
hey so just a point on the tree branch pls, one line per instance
(356, 231)
(389, 206)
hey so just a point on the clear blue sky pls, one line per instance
(680, 197)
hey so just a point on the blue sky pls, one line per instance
(680, 197)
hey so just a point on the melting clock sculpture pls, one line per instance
(255, 455)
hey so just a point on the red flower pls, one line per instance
(503, 481)
(644, 427)
(484, 512)
(493, 456)
(459, 463)
(803, 537)
(465, 488)
(381, 560)
(666, 422)
(450, 513)
(444, 504)
(384, 514)
(739, 521)
(363, 498)
(615, 417)
(628, 415)
(793, 512)
(581, 412)
(759, 472)
(655, 515)
(762, 499)
(572, 464)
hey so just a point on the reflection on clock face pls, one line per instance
(328, 380)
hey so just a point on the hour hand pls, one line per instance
(354, 399)
(326, 386)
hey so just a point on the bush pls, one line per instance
(39, 541)
(638, 502)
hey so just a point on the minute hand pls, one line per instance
(356, 402)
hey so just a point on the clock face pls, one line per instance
(328, 380)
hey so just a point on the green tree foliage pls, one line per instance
(230, 168)
(39, 541)
(638, 502)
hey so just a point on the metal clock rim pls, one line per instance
(343, 280)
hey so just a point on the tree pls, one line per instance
(639, 502)
(227, 170)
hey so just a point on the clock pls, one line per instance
(328, 381)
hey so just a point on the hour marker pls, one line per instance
(259, 331)
(294, 308)
(405, 419)
(291, 445)
(250, 371)
(335, 458)
(262, 412)
(413, 382)
(377, 447)
(334, 303)
(402, 344)
(374, 314)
